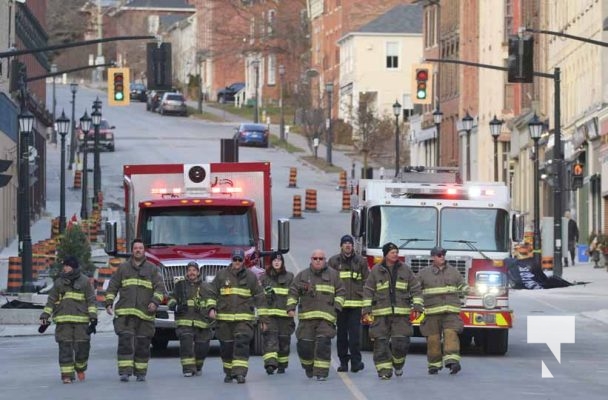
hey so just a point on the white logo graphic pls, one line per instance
(553, 331)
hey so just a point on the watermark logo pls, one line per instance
(551, 330)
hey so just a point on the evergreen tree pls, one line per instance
(74, 242)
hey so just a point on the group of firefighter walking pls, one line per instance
(332, 297)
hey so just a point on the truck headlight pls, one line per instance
(491, 283)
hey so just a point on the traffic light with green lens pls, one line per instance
(422, 85)
(118, 87)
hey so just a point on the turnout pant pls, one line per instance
(74, 346)
(235, 338)
(277, 341)
(349, 331)
(314, 345)
(134, 337)
(193, 347)
(436, 326)
(391, 336)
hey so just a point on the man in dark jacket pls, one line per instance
(141, 290)
(572, 238)
(353, 271)
(71, 303)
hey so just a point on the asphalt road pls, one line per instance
(29, 369)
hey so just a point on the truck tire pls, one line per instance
(496, 341)
(257, 342)
(364, 341)
(160, 343)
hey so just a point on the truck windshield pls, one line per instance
(407, 227)
(487, 229)
(173, 226)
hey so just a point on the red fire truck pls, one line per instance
(198, 212)
(473, 221)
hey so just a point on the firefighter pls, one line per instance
(233, 296)
(140, 287)
(277, 337)
(390, 293)
(442, 288)
(193, 330)
(353, 271)
(71, 303)
(318, 293)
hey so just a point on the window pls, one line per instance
(272, 69)
(392, 55)
(271, 22)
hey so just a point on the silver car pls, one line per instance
(173, 103)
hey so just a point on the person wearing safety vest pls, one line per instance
(277, 337)
(353, 271)
(318, 293)
(71, 304)
(390, 293)
(191, 320)
(140, 289)
(442, 288)
(234, 295)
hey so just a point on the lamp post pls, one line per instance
(467, 123)
(535, 126)
(396, 113)
(256, 68)
(73, 89)
(437, 117)
(85, 126)
(54, 134)
(96, 119)
(26, 123)
(63, 124)
(329, 88)
(495, 128)
(282, 128)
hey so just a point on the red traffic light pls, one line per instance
(422, 75)
(577, 169)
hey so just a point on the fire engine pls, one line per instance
(473, 221)
(198, 212)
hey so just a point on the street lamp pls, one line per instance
(467, 123)
(63, 124)
(73, 89)
(535, 126)
(396, 113)
(26, 123)
(96, 119)
(54, 135)
(282, 128)
(437, 117)
(256, 67)
(85, 126)
(329, 88)
(495, 128)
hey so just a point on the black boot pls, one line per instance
(343, 366)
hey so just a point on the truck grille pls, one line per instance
(417, 264)
(173, 273)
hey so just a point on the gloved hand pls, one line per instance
(92, 326)
(44, 325)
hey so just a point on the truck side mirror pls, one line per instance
(111, 245)
(283, 233)
(356, 227)
(517, 227)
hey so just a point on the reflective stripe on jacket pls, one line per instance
(71, 301)
(275, 304)
(353, 271)
(235, 295)
(442, 289)
(190, 293)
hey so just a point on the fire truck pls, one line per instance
(198, 212)
(423, 208)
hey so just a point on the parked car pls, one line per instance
(106, 137)
(138, 91)
(252, 135)
(173, 103)
(227, 94)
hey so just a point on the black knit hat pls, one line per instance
(71, 261)
(276, 254)
(388, 247)
(346, 239)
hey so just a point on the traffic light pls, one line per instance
(521, 60)
(577, 176)
(422, 84)
(118, 87)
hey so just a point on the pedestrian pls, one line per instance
(71, 305)
(140, 289)
(442, 288)
(234, 295)
(279, 326)
(192, 324)
(318, 293)
(572, 238)
(353, 271)
(595, 252)
(391, 292)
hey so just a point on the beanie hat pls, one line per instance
(193, 264)
(71, 261)
(346, 239)
(276, 255)
(388, 247)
